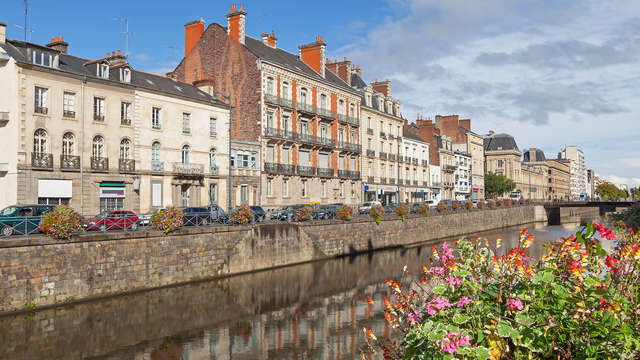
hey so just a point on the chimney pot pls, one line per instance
(118, 52)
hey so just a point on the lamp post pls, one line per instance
(229, 187)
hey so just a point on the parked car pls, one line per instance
(366, 206)
(22, 219)
(145, 219)
(217, 214)
(113, 220)
(259, 215)
(195, 216)
(326, 212)
(287, 213)
(390, 208)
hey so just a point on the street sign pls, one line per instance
(366, 187)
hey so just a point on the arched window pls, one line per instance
(212, 158)
(155, 151)
(68, 144)
(40, 145)
(186, 151)
(98, 147)
(125, 149)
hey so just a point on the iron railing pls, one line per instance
(370, 180)
(69, 114)
(306, 170)
(349, 174)
(188, 169)
(42, 160)
(278, 101)
(382, 155)
(371, 153)
(99, 163)
(323, 172)
(415, 161)
(126, 165)
(348, 119)
(274, 168)
(392, 181)
(369, 131)
(213, 170)
(392, 157)
(306, 108)
(383, 135)
(69, 162)
(157, 166)
(97, 117)
(281, 134)
(41, 110)
(325, 113)
(425, 163)
(383, 180)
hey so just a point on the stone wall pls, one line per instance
(37, 271)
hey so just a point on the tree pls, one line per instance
(635, 192)
(609, 191)
(497, 184)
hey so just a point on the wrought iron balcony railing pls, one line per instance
(370, 180)
(40, 110)
(382, 155)
(306, 170)
(273, 168)
(126, 165)
(415, 161)
(348, 119)
(326, 113)
(273, 99)
(322, 172)
(392, 157)
(97, 117)
(383, 180)
(306, 108)
(69, 162)
(392, 181)
(425, 163)
(69, 114)
(369, 131)
(99, 163)
(188, 169)
(214, 170)
(371, 153)
(42, 160)
(157, 166)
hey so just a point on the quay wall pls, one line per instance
(39, 272)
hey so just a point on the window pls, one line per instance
(303, 96)
(352, 110)
(270, 86)
(155, 152)
(125, 149)
(269, 187)
(270, 153)
(303, 188)
(125, 75)
(53, 201)
(323, 189)
(212, 159)
(270, 120)
(103, 71)
(40, 141)
(500, 163)
(341, 108)
(186, 151)
(40, 101)
(42, 58)
(243, 159)
(285, 122)
(244, 194)
(341, 189)
(285, 188)
(155, 118)
(186, 123)
(69, 104)
(212, 127)
(353, 190)
(98, 147)
(285, 90)
(323, 101)
(213, 193)
(341, 135)
(111, 204)
(98, 109)
(323, 132)
(353, 136)
(125, 113)
(68, 144)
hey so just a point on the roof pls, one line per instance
(538, 155)
(357, 81)
(79, 66)
(500, 142)
(409, 135)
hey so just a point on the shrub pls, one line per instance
(507, 202)
(241, 214)
(456, 205)
(423, 210)
(442, 206)
(344, 213)
(480, 204)
(629, 218)
(521, 201)
(491, 204)
(577, 302)
(376, 212)
(303, 214)
(468, 205)
(402, 210)
(167, 220)
(499, 203)
(60, 223)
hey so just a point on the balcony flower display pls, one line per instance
(507, 202)
(480, 204)
(303, 214)
(402, 210)
(442, 206)
(468, 205)
(241, 214)
(60, 223)
(455, 205)
(499, 203)
(167, 220)
(344, 213)
(376, 213)
(480, 301)
(423, 209)
(491, 204)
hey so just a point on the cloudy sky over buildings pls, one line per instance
(551, 73)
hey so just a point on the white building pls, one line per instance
(436, 183)
(415, 172)
(578, 170)
(462, 184)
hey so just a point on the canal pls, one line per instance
(309, 311)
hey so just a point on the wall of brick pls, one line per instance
(38, 271)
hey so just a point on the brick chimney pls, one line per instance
(383, 87)
(235, 23)
(116, 58)
(3, 32)
(57, 43)
(270, 39)
(192, 32)
(341, 68)
(466, 123)
(313, 54)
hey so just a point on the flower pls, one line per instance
(464, 301)
(453, 281)
(452, 340)
(447, 253)
(515, 304)
(413, 316)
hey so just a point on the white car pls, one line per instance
(364, 209)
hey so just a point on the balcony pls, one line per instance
(415, 182)
(436, 185)
(425, 184)
(306, 108)
(327, 173)
(157, 166)
(407, 159)
(383, 135)
(304, 170)
(325, 113)
(391, 137)
(126, 122)
(42, 161)
(214, 170)
(188, 169)
(273, 99)
(40, 110)
(69, 114)
(69, 162)
(348, 174)
(348, 119)
(400, 181)
(284, 169)
(425, 163)
(392, 157)
(126, 165)
(326, 142)
(383, 180)
(449, 167)
(369, 131)
(99, 163)
(4, 118)
(280, 134)
(382, 155)
(392, 181)
(97, 117)
(370, 180)
(349, 146)
(414, 161)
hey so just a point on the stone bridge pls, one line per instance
(581, 211)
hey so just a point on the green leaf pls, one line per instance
(524, 319)
(460, 318)
(504, 330)
(591, 230)
(547, 277)
(560, 291)
(482, 353)
(440, 289)
(579, 237)
(461, 273)
(480, 336)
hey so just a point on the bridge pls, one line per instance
(581, 211)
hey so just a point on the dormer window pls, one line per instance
(42, 58)
(103, 71)
(125, 75)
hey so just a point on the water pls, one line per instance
(310, 311)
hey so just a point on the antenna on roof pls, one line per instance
(126, 32)
(30, 31)
(26, 12)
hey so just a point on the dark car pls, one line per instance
(327, 211)
(287, 213)
(217, 214)
(390, 208)
(259, 215)
(22, 219)
(113, 220)
(195, 216)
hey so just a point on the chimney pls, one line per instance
(116, 58)
(383, 87)
(491, 132)
(342, 69)
(235, 23)
(192, 32)
(3, 33)
(313, 54)
(270, 39)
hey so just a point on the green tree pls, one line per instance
(609, 191)
(497, 185)
(635, 192)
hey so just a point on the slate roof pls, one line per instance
(357, 82)
(539, 156)
(79, 66)
(413, 136)
(500, 142)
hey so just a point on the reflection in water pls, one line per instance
(310, 311)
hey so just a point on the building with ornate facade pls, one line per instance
(99, 135)
(559, 179)
(415, 175)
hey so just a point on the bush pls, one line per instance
(629, 218)
(577, 302)
(480, 204)
(241, 215)
(468, 205)
(442, 206)
(402, 210)
(507, 202)
(167, 220)
(499, 203)
(344, 213)
(423, 209)
(376, 212)
(521, 201)
(60, 223)
(303, 214)
(455, 205)
(491, 204)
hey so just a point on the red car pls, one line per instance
(113, 220)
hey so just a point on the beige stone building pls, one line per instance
(415, 174)
(98, 135)
(448, 166)
(559, 179)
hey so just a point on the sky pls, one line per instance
(551, 73)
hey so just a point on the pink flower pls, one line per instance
(430, 310)
(453, 281)
(436, 270)
(451, 341)
(440, 303)
(464, 301)
(447, 253)
(515, 304)
(413, 316)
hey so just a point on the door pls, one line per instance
(184, 195)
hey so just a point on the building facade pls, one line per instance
(578, 171)
(559, 179)
(302, 118)
(462, 174)
(81, 132)
(415, 177)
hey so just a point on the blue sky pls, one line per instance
(551, 73)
